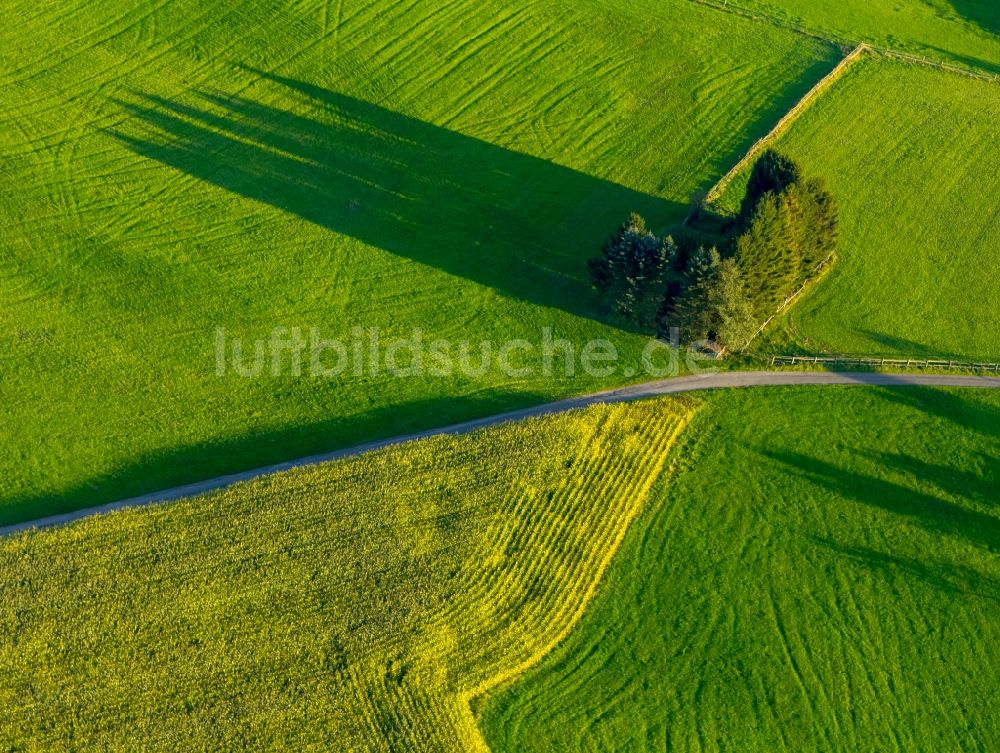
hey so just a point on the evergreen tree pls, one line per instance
(819, 218)
(631, 274)
(695, 315)
(770, 252)
(772, 173)
(736, 320)
(787, 226)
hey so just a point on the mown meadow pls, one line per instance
(956, 31)
(823, 574)
(172, 168)
(908, 152)
(717, 572)
(354, 606)
(800, 569)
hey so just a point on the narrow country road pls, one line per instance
(721, 380)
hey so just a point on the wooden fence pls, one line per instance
(857, 51)
(878, 362)
(811, 280)
(785, 122)
(734, 7)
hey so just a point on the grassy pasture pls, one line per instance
(355, 606)
(909, 154)
(170, 168)
(823, 575)
(963, 31)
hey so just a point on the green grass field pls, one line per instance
(963, 31)
(751, 570)
(355, 606)
(908, 152)
(823, 575)
(170, 168)
(789, 583)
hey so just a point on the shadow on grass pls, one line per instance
(950, 578)
(982, 486)
(782, 341)
(901, 346)
(977, 64)
(518, 224)
(983, 13)
(925, 510)
(965, 409)
(521, 225)
(970, 413)
(198, 462)
(961, 504)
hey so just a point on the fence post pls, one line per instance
(882, 361)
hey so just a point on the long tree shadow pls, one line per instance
(170, 467)
(967, 409)
(951, 578)
(516, 223)
(981, 485)
(961, 503)
(983, 13)
(967, 60)
(900, 346)
(925, 510)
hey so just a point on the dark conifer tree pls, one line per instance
(631, 274)
(772, 173)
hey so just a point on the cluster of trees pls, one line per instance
(721, 286)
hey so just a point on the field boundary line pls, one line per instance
(473, 734)
(782, 23)
(909, 57)
(712, 380)
(786, 120)
(817, 274)
(785, 123)
(883, 361)
(776, 21)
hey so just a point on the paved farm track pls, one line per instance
(720, 380)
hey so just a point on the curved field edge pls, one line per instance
(474, 697)
(821, 574)
(359, 604)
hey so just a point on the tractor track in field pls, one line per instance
(641, 391)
